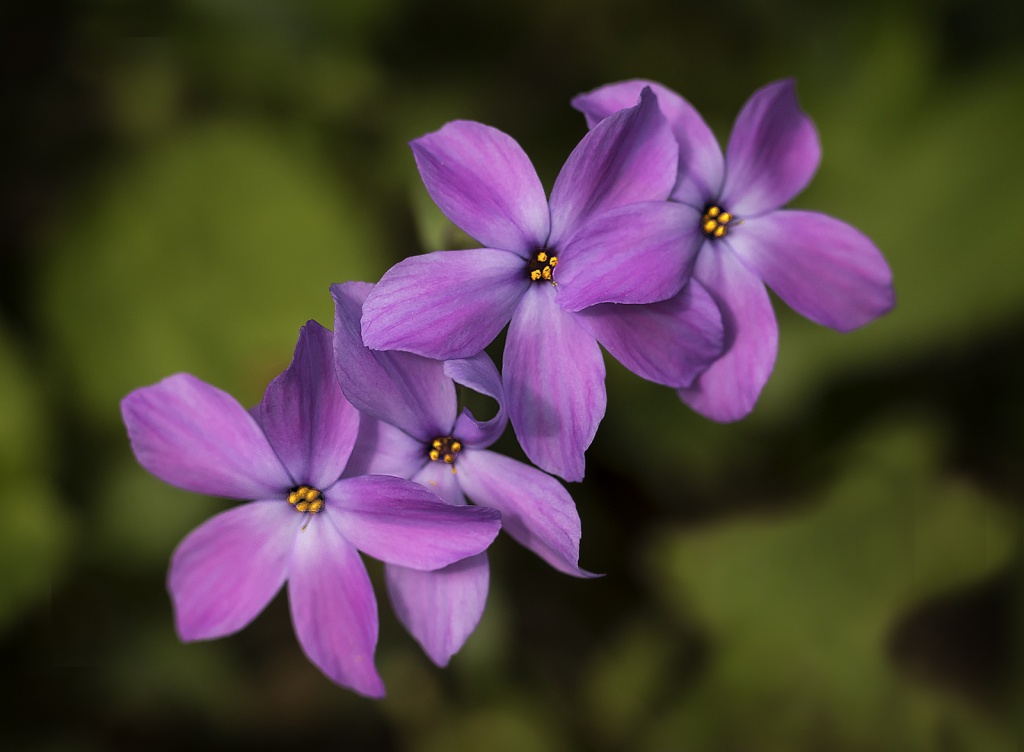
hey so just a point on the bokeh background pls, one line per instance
(181, 180)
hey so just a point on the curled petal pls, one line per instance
(773, 151)
(535, 508)
(406, 390)
(194, 436)
(439, 478)
(628, 157)
(382, 449)
(401, 522)
(333, 608)
(701, 165)
(823, 268)
(225, 572)
(729, 388)
(448, 304)
(484, 182)
(669, 343)
(440, 608)
(479, 374)
(554, 383)
(307, 419)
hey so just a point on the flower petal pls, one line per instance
(225, 572)
(701, 165)
(333, 608)
(440, 608)
(641, 253)
(440, 478)
(406, 390)
(669, 343)
(382, 449)
(554, 383)
(823, 268)
(729, 388)
(479, 374)
(628, 157)
(535, 508)
(773, 151)
(448, 304)
(401, 522)
(307, 419)
(484, 182)
(194, 436)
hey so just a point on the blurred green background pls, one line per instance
(181, 180)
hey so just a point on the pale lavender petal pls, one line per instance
(333, 608)
(554, 383)
(440, 608)
(628, 157)
(307, 419)
(823, 268)
(670, 342)
(382, 449)
(229, 568)
(641, 253)
(773, 152)
(448, 304)
(479, 374)
(194, 436)
(484, 182)
(701, 165)
(401, 522)
(535, 508)
(729, 389)
(439, 478)
(406, 390)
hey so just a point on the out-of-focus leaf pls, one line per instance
(510, 727)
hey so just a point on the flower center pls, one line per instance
(306, 499)
(445, 449)
(713, 223)
(541, 266)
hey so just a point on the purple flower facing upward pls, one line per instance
(606, 236)
(823, 268)
(419, 434)
(305, 524)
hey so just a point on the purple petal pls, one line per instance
(307, 419)
(773, 152)
(554, 383)
(669, 343)
(729, 389)
(194, 436)
(439, 478)
(440, 608)
(480, 375)
(701, 165)
(639, 253)
(333, 607)
(225, 572)
(448, 304)
(823, 268)
(406, 390)
(535, 508)
(401, 522)
(382, 449)
(484, 182)
(628, 157)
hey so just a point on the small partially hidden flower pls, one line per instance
(305, 525)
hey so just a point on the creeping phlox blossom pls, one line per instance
(305, 526)
(822, 267)
(607, 235)
(419, 434)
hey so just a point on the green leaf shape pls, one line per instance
(799, 606)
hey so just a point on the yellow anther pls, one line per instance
(719, 232)
(316, 506)
(713, 212)
(306, 499)
(553, 261)
(710, 225)
(434, 454)
(542, 257)
(456, 446)
(725, 218)
(546, 273)
(449, 458)
(437, 443)
(535, 275)
(302, 506)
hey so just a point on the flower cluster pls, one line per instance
(651, 244)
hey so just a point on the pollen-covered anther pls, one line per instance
(714, 222)
(306, 499)
(541, 266)
(445, 449)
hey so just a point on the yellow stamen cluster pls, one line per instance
(541, 266)
(714, 222)
(445, 449)
(306, 499)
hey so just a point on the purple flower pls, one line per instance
(823, 268)
(419, 434)
(305, 525)
(607, 235)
